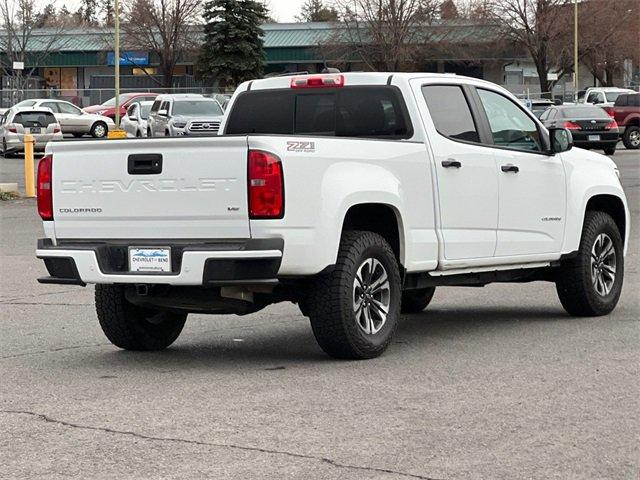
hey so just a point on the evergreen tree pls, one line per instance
(88, 9)
(233, 49)
(108, 13)
(47, 16)
(315, 11)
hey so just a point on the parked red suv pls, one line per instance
(626, 112)
(108, 108)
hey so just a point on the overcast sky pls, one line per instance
(281, 10)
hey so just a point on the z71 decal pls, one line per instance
(309, 147)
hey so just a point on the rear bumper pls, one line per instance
(251, 261)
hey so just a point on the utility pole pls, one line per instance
(116, 8)
(575, 49)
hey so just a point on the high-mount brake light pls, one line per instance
(266, 185)
(44, 188)
(318, 81)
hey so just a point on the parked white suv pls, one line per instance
(352, 195)
(170, 113)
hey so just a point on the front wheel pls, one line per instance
(631, 137)
(590, 283)
(354, 309)
(131, 327)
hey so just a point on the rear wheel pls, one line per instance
(631, 137)
(78, 135)
(99, 130)
(135, 328)
(354, 309)
(590, 284)
(610, 150)
(415, 301)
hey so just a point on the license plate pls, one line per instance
(149, 259)
(34, 130)
(593, 138)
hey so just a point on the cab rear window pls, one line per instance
(360, 112)
(34, 119)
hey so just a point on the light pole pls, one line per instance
(575, 49)
(116, 55)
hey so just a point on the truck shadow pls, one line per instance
(293, 345)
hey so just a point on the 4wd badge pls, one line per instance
(308, 147)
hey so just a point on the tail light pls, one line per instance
(44, 190)
(13, 129)
(56, 129)
(609, 111)
(612, 124)
(572, 126)
(318, 81)
(266, 185)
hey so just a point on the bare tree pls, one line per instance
(165, 28)
(609, 35)
(385, 34)
(20, 21)
(539, 27)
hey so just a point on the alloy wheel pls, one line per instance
(603, 264)
(371, 296)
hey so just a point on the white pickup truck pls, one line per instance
(353, 195)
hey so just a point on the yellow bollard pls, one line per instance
(29, 183)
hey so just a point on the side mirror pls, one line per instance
(561, 140)
(162, 113)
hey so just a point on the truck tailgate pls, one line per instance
(173, 188)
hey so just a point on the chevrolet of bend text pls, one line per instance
(352, 195)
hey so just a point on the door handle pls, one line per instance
(510, 168)
(144, 164)
(451, 163)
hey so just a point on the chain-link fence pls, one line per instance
(91, 96)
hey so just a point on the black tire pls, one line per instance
(99, 130)
(149, 134)
(574, 283)
(78, 135)
(631, 137)
(610, 150)
(135, 328)
(330, 302)
(415, 301)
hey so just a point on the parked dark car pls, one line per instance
(590, 126)
(626, 112)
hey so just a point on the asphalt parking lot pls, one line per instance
(488, 383)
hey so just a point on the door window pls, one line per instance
(165, 106)
(52, 105)
(132, 110)
(510, 126)
(68, 108)
(450, 112)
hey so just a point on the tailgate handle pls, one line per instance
(144, 164)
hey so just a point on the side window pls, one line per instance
(546, 115)
(592, 97)
(510, 126)
(165, 105)
(634, 101)
(52, 105)
(131, 111)
(68, 108)
(156, 106)
(450, 112)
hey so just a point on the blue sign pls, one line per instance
(130, 58)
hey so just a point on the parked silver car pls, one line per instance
(18, 121)
(170, 113)
(72, 119)
(135, 120)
